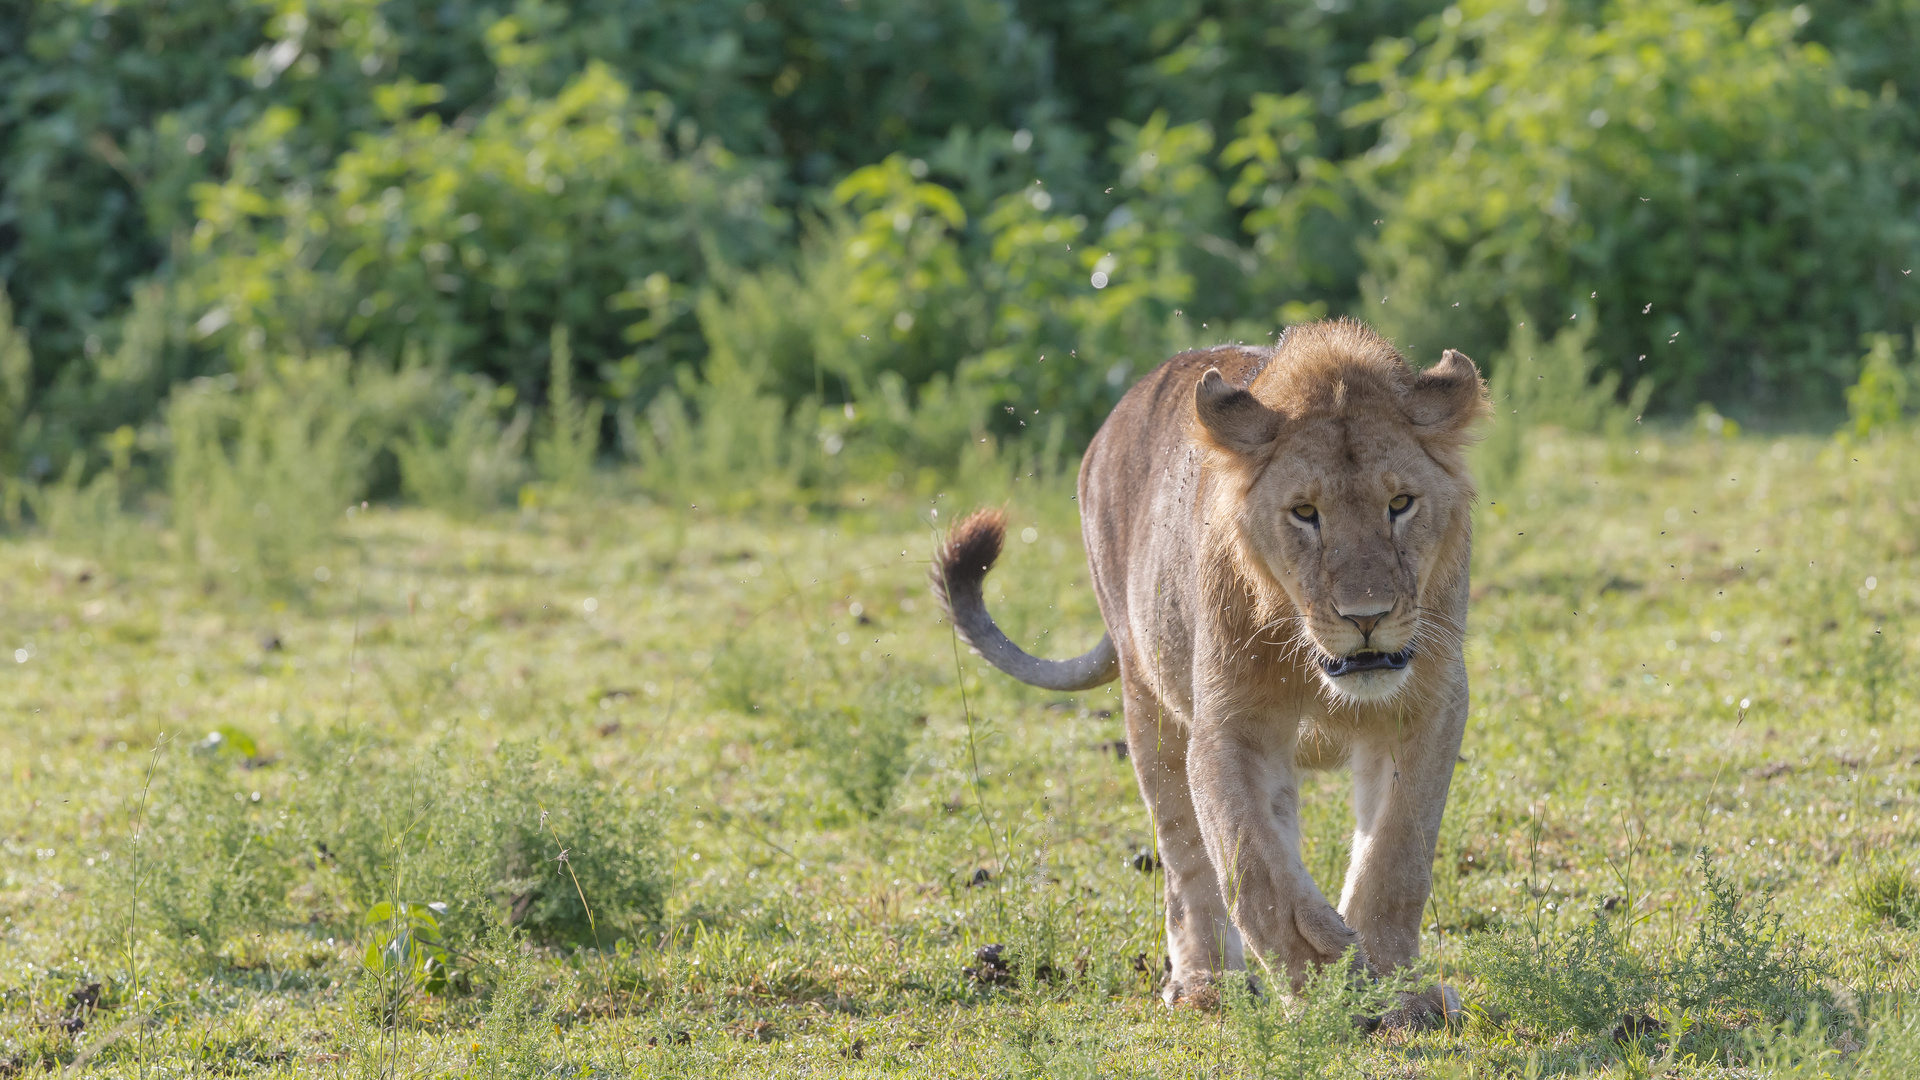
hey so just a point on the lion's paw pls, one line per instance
(1427, 1010)
(1196, 990)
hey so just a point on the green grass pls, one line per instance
(753, 748)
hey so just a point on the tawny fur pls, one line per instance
(1221, 601)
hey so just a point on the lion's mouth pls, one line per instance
(1336, 666)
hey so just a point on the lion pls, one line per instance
(1279, 542)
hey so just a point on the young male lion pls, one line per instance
(1279, 542)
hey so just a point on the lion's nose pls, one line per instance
(1366, 620)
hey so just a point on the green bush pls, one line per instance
(475, 460)
(486, 837)
(894, 334)
(1554, 383)
(864, 746)
(1878, 398)
(1726, 199)
(217, 854)
(1705, 190)
(476, 241)
(1589, 979)
(264, 468)
(338, 826)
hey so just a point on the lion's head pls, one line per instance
(1350, 498)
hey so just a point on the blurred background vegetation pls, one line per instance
(276, 256)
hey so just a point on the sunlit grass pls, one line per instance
(1677, 643)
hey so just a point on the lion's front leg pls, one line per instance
(1201, 940)
(1247, 799)
(1400, 781)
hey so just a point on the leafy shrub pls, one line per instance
(99, 107)
(1082, 310)
(98, 134)
(895, 338)
(1708, 191)
(472, 240)
(1300, 209)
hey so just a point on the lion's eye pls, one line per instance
(1306, 513)
(1399, 503)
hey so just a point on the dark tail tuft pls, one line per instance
(959, 571)
(970, 551)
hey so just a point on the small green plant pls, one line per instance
(1589, 978)
(1892, 1038)
(1302, 1035)
(1888, 891)
(743, 678)
(407, 940)
(573, 858)
(1556, 383)
(476, 462)
(16, 382)
(1583, 980)
(1805, 1048)
(1877, 401)
(506, 836)
(1047, 1045)
(136, 863)
(865, 746)
(1745, 958)
(521, 1007)
(89, 515)
(1879, 671)
(725, 442)
(564, 453)
(217, 856)
(263, 469)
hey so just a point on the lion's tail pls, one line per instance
(958, 572)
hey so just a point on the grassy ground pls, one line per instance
(748, 737)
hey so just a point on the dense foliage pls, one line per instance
(878, 216)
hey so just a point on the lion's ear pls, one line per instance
(1232, 418)
(1448, 396)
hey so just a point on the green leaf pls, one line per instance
(238, 741)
